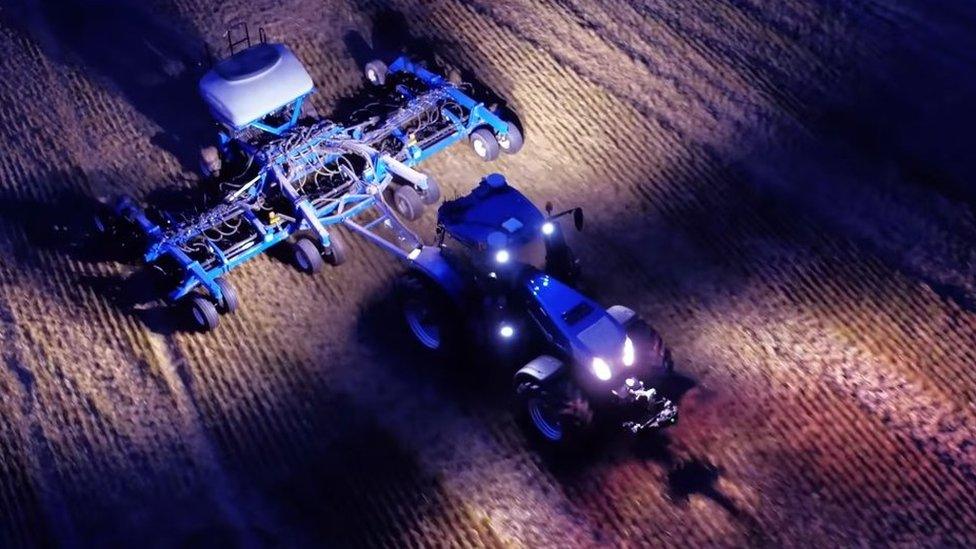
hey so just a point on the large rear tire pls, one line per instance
(429, 314)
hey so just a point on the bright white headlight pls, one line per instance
(628, 358)
(601, 369)
(506, 331)
(548, 228)
(502, 256)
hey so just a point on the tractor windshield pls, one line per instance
(531, 253)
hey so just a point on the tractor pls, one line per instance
(491, 285)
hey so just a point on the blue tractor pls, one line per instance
(498, 279)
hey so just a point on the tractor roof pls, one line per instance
(493, 215)
(254, 82)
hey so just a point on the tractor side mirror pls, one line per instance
(549, 208)
(578, 219)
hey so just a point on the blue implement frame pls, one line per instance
(297, 151)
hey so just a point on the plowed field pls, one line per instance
(784, 189)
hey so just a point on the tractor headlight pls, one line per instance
(548, 228)
(502, 256)
(601, 369)
(628, 355)
(506, 331)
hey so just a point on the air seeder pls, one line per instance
(280, 174)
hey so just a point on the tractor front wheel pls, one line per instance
(557, 412)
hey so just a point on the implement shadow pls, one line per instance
(55, 234)
(152, 61)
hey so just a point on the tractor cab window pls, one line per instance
(532, 253)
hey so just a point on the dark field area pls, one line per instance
(784, 189)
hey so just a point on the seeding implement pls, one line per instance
(278, 174)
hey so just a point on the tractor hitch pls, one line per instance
(652, 409)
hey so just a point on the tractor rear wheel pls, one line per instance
(428, 312)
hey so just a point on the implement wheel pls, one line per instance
(203, 313)
(375, 72)
(484, 144)
(433, 192)
(512, 142)
(335, 254)
(230, 301)
(307, 256)
(408, 202)
(210, 162)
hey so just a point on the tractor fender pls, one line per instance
(540, 369)
(432, 264)
(624, 316)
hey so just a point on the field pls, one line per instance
(784, 189)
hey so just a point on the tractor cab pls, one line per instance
(261, 87)
(502, 231)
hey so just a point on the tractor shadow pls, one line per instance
(151, 61)
(470, 380)
(696, 477)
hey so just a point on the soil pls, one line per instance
(783, 189)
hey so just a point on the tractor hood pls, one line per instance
(587, 327)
